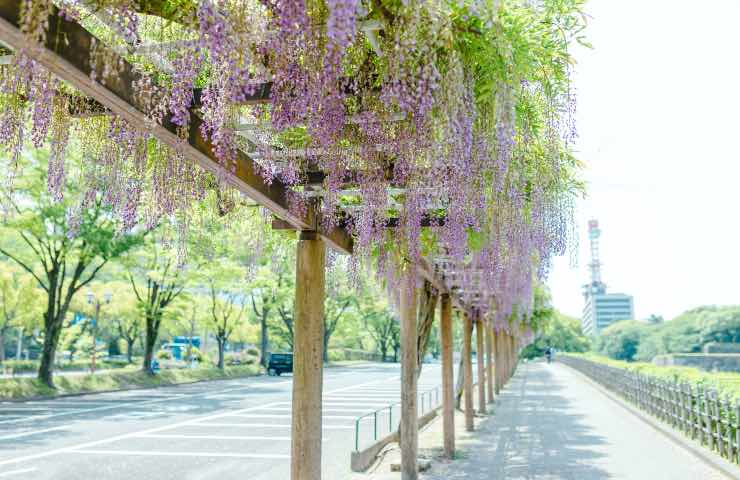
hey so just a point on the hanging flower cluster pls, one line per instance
(437, 129)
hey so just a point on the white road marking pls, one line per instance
(212, 437)
(29, 433)
(289, 409)
(120, 405)
(192, 421)
(16, 472)
(266, 425)
(179, 454)
(329, 417)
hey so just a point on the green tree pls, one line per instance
(225, 282)
(621, 340)
(157, 280)
(19, 307)
(62, 246)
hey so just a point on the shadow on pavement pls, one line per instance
(536, 433)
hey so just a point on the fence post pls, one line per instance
(737, 432)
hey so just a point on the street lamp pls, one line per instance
(93, 300)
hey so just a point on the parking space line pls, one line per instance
(266, 425)
(149, 453)
(29, 433)
(326, 417)
(16, 472)
(290, 409)
(211, 437)
(119, 405)
(192, 421)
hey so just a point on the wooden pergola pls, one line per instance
(67, 54)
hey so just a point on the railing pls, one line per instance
(696, 410)
(385, 422)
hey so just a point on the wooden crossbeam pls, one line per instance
(66, 53)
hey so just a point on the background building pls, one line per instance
(601, 309)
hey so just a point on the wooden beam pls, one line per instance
(480, 357)
(409, 413)
(308, 346)
(448, 389)
(467, 356)
(66, 54)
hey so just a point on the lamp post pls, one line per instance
(93, 300)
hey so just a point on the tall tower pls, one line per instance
(594, 232)
(601, 309)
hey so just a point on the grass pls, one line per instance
(26, 387)
(727, 383)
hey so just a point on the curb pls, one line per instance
(137, 387)
(699, 451)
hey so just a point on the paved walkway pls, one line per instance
(551, 424)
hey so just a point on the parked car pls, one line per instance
(280, 363)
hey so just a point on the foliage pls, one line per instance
(621, 340)
(687, 333)
(164, 355)
(561, 332)
(458, 114)
(726, 382)
(63, 252)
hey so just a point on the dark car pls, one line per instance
(280, 363)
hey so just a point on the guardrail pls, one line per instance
(384, 417)
(698, 411)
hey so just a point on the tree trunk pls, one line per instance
(459, 385)
(221, 344)
(2, 344)
(264, 340)
(152, 331)
(384, 352)
(327, 336)
(51, 340)
(130, 349)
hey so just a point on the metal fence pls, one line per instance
(384, 421)
(698, 411)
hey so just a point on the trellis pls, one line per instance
(67, 54)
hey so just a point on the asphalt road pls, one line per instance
(231, 429)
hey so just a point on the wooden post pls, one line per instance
(468, 372)
(308, 348)
(480, 356)
(489, 361)
(448, 389)
(497, 363)
(409, 352)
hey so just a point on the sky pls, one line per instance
(659, 123)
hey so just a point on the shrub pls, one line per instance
(164, 355)
(336, 355)
(254, 351)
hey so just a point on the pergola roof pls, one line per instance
(70, 61)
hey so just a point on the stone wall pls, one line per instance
(711, 362)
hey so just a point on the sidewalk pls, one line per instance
(550, 424)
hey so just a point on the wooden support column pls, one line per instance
(308, 348)
(409, 352)
(448, 389)
(480, 357)
(489, 361)
(498, 362)
(467, 355)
